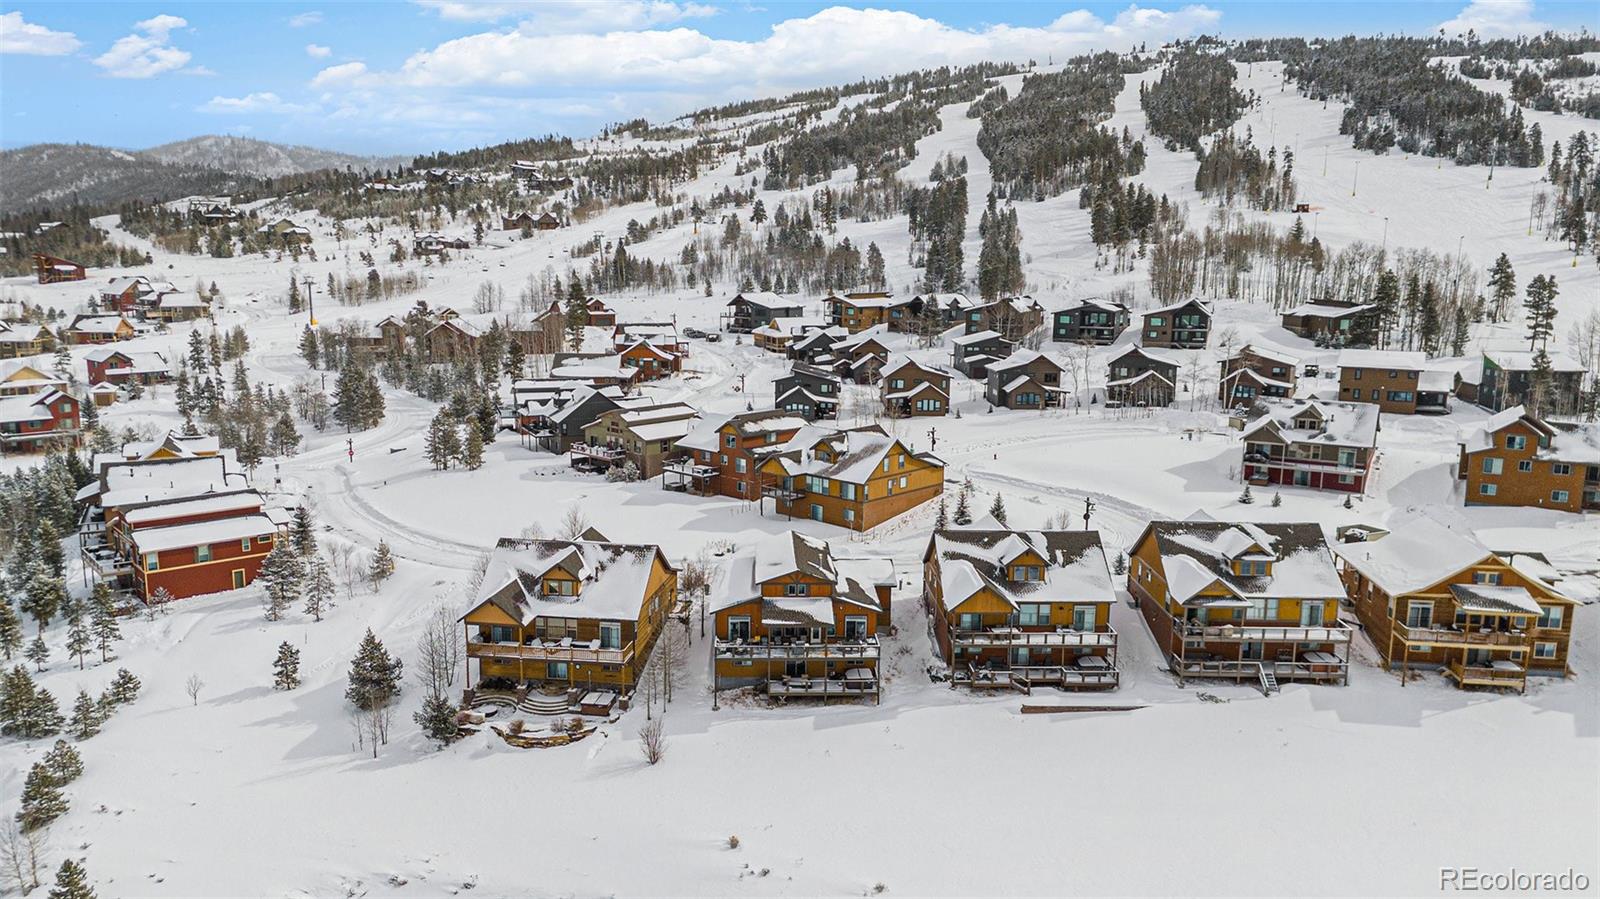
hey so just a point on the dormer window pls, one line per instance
(796, 590)
(1251, 568)
(1027, 573)
(557, 587)
(1490, 578)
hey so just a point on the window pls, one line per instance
(969, 621)
(1559, 496)
(1401, 396)
(1551, 616)
(1027, 573)
(855, 627)
(1516, 441)
(1525, 465)
(1544, 650)
(244, 545)
(1157, 321)
(1486, 577)
(850, 516)
(902, 464)
(847, 490)
(610, 635)
(816, 512)
(1033, 613)
(898, 383)
(1263, 609)
(741, 465)
(152, 561)
(502, 633)
(795, 590)
(728, 440)
(1493, 466)
(739, 627)
(1419, 613)
(1355, 374)
(1561, 469)
(554, 587)
(202, 554)
(1487, 489)
(557, 670)
(739, 486)
(903, 482)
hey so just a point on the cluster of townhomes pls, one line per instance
(173, 518)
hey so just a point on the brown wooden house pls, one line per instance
(641, 436)
(914, 389)
(721, 456)
(1254, 603)
(1518, 459)
(794, 620)
(568, 616)
(1022, 608)
(856, 479)
(54, 269)
(1254, 373)
(1433, 597)
(1027, 379)
(1391, 378)
(1184, 325)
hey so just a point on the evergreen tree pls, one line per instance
(1386, 300)
(382, 565)
(124, 687)
(942, 520)
(17, 694)
(1503, 287)
(38, 652)
(280, 577)
(50, 552)
(42, 801)
(374, 674)
(286, 667)
(1245, 497)
(997, 509)
(63, 763)
(303, 532)
(963, 504)
(310, 348)
(472, 450)
(80, 639)
(285, 438)
(516, 359)
(319, 586)
(437, 718)
(103, 619)
(1540, 310)
(85, 721)
(43, 598)
(72, 882)
(10, 629)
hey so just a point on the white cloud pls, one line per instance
(147, 54)
(263, 102)
(26, 38)
(317, 51)
(1495, 18)
(572, 16)
(305, 19)
(832, 45)
(347, 74)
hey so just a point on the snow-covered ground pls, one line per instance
(1366, 789)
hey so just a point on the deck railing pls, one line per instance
(564, 651)
(1016, 636)
(1250, 633)
(1440, 635)
(1485, 675)
(795, 651)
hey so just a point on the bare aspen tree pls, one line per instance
(653, 741)
(193, 686)
(439, 652)
(21, 856)
(573, 523)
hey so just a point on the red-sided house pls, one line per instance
(722, 456)
(37, 422)
(1322, 445)
(54, 269)
(111, 365)
(205, 557)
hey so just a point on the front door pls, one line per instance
(1250, 651)
(1019, 657)
(1083, 618)
(1302, 479)
(1477, 658)
(238, 578)
(739, 629)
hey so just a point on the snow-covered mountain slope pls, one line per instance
(259, 158)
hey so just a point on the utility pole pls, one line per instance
(1088, 509)
(933, 439)
(311, 308)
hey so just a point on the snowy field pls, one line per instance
(1363, 790)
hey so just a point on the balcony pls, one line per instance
(105, 562)
(780, 492)
(1249, 633)
(855, 682)
(1087, 672)
(1498, 674)
(847, 650)
(1311, 667)
(1305, 463)
(597, 452)
(563, 650)
(1441, 635)
(1016, 636)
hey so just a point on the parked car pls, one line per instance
(714, 337)
(693, 332)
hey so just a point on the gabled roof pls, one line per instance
(1522, 360)
(1319, 310)
(897, 361)
(1398, 360)
(614, 578)
(1155, 354)
(976, 337)
(1196, 554)
(1418, 552)
(1339, 424)
(1174, 307)
(972, 559)
(1020, 359)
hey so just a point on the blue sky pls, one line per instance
(441, 74)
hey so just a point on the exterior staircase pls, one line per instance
(1269, 680)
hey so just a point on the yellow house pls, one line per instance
(1022, 608)
(26, 380)
(568, 614)
(1432, 597)
(856, 479)
(1257, 602)
(793, 618)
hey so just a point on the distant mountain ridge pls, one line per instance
(43, 175)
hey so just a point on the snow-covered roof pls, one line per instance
(1173, 307)
(849, 456)
(205, 505)
(1196, 554)
(1417, 553)
(791, 553)
(971, 559)
(1020, 359)
(1522, 360)
(1494, 598)
(204, 533)
(1319, 310)
(898, 361)
(1398, 360)
(149, 481)
(1327, 423)
(975, 337)
(1435, 380)
(28, 407)
(767, 299)
(98, 324)
(850, 342)
(1564, 441)
(599, 367)
(614, 578)
(1158, 354)
(786, 326)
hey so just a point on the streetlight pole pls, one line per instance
(1385, 247)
